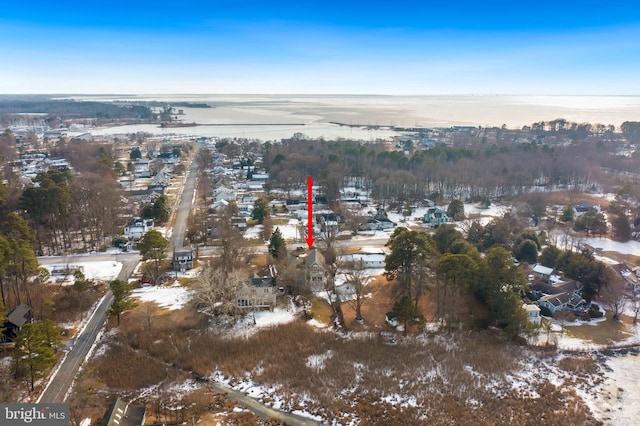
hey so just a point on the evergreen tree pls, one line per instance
(32, 354)
(568, 214)
(121, 298)
(406, 312)
(260, 210)
(153, 246)
(456, 210)
(277, 244)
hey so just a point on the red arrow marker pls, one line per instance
(310, 238)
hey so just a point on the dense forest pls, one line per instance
(489, 165)
(69, 109)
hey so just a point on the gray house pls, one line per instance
(15, 320)
(121, 413)
(316, 276)
(182, 259)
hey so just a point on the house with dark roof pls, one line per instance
(435, 216)
(121, 413)
(182, 259)
(14, 322)
(316, 270)
(557, 302)
(260, 293)
(559, 295)
(584, 207)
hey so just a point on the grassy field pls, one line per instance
(455, 378)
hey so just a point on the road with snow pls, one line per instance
(61, 380)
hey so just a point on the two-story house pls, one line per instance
(316, 270)
(259, 293)
(435, 216)
(137, 227)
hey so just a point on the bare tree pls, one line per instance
(357, 279)
(216, 292)
(612, 295)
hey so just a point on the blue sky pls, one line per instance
(323, 47)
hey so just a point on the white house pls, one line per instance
(542, 272)
(137, 227)
(533, 313)
(369, 260)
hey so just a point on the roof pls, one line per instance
(20, 315)
(182, 251)
(121, 413)
(545, 288)
(315, 257)
(257, 281)
(557, 300)
(543, 270)
(569, 286)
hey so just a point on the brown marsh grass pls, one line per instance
(457, 378)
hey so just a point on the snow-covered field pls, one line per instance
(170, 297)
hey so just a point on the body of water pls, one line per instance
(272, 117)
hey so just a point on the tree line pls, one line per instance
(473, 167)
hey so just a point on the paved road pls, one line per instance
(62, 379)
(184, 207)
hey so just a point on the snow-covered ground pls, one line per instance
(170, 297)
(104, 270)
(618, 401)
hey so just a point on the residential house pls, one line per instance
(121, 413)
(223, 193)
(533, 313)
(239, 222)
(379, 223)
(367, 260)
(316, 270)
(168, 158)
(182, 259)
(141, 168)
(435, 216)
(294, 205)
(260, 292)
(137, 227)
(14, 322)
(557, 302)
(630, 277)
(584, 207)
(543, 273)
(563, 295)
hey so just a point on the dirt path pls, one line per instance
(261, 410)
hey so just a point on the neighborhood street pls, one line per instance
(61, 381)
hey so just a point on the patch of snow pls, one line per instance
(605, 244)
(246, 326)
(101, 270)
(172, 297)
(318, 362)
(254, 233)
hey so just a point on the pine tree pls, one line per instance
(406, 312)
(32, 354)
(277, 244)
(121, 298)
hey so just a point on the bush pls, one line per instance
(545, 312)
(595, 312)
